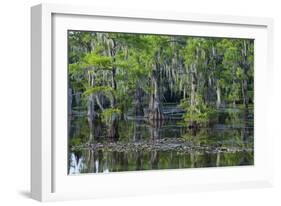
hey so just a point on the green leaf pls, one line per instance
(98, 61)
(98, 89)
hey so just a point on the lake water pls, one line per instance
(167, 145)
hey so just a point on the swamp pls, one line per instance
(151, 101)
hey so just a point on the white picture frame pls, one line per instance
(49, 179)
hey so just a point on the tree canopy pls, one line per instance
(112, 75)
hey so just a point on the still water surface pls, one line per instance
(167, 145)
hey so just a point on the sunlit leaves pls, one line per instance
(98, 61)
(98, 89)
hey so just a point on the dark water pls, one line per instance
(167, 145)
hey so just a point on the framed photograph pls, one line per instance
(137, 102)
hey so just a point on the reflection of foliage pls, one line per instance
(127, 131)
(81, 132)
(200, 139)
(78, 140)
(233, 159)
(228, 138)
(122, 161)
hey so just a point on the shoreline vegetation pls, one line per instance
(152, 94)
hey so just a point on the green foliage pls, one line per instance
(109, 115)
(200, 139)
(75, 141)
(99, 89)
(116, 65)
(200, 113)
(98, 61)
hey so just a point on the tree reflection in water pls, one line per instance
(166, 145)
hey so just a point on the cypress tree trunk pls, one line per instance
(137, 101)
(245, 66)
(193, 89)
(113, 130)
(218, 91)
(91, 107)
(137, 130)
(90, 115)
(113, 127)
(245, 93)
(154, 130)
(155, 112)
(193, 96)
(69, 101)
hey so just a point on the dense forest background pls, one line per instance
(112, 75)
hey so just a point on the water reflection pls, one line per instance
(120, 161)
(168, 145)
(75, 164)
